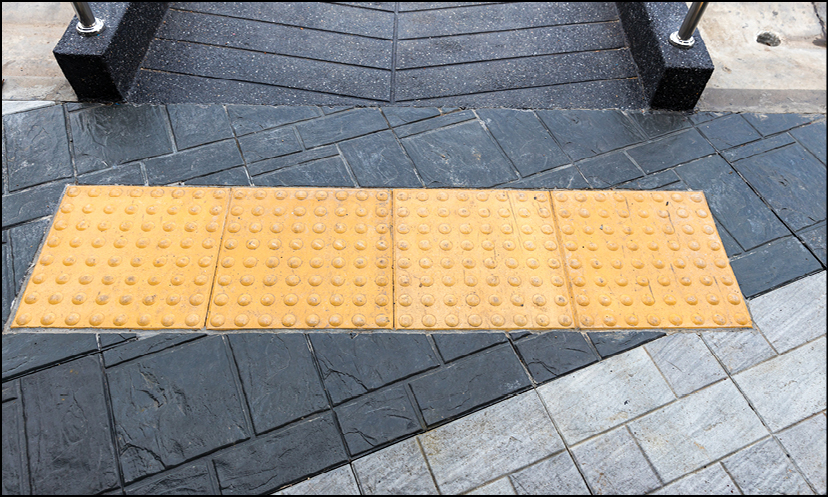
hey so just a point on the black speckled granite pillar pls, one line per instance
(101, 68)
(673, 78)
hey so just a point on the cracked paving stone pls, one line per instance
(550, 355)
(351, 366)
(469, 383)
(36, 147)
(70, 444)
(377, 418)
(188, 393)
(279, 378)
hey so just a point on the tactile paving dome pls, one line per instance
(127, 257)
(646, 260)
(468, 259)
(305, 258)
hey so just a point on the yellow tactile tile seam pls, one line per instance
(127, 257)
(471, 259)
(305, 258)
(646, 260)
(153, 258)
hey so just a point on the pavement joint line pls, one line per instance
(110, 414)
(244, 403)
(427, 463)
(644, 454)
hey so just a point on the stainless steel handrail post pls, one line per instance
(88, 24)
(683, 38)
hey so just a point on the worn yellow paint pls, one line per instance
(127, 257)
(646, 260)
(305, 258)
(469, 259)
(246, 258)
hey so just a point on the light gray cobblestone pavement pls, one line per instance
(719, 412)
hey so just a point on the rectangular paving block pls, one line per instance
(805, 442)
(605, 395)
(304, 258)
(789, 387)
(377, 418)
(763, 469)
(495, 441)
(712, 480)
(554, 476)
(686, 362)
(697, 430)
(738, 351)
(135, 257)
(646, 259)
(613, 464)
(340, 481)
(473, 259)
(399, 469)
(190, 478)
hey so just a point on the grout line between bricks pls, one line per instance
(110, 416)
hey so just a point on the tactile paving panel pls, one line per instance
(646, 260)
(127, 257)
(468, 259)
(305, 258)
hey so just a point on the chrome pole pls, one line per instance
(88, 24)
(683, 38)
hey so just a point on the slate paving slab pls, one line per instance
(609, 170)
(400, 469)
(813, 138)
(454, 345)
(563, 178)
(660, 123)
(25, 352)
(36, 147)
(805, 442)
(613, 464)
(554, 476)
(550, 355)
(268, 165)
(769, 124)
(15, 464)
(712, 480)
(194, 125)
(764, 469)
(340, 481)
(814, 238)
(236, 176)
(193, 162)
(686, 362)
(670, 151)
(339, 127)
(611, 343)
(191, 479)
(378, 161)
(434, 123)
(729, 132)
(26, 242)
(758, 147)
(251, 118)
(772, 265)
(377, 418)
(323, 172)
(188, 393)
(129, 174)
(585, 133)
(397, 116)
(269, 144)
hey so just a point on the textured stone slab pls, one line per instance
(738, 351)
(378, 161)
(469, 383)
(430, 124)
(669, 151)
(194, 125)
(605, 395)
(70, 443)
(24, 352)
(292, 159)
(106, 340)
(340, 481)
(697, 429)
(609, 170)
(15, 465)
(399, 469)
(9, 290)
(193, 162)
(351, 366)
(397, 116)
(146, 346)
(36, 147)
(282, 457)
(460, 156)
(454, 345)
(773, 265)
(763, 469)
(565, 177)
(111, 135)
(757, 147)
(524, 140)
(189, 393)
(614, 342)
(729, 132)
(550, 355)
(498, 487)
(660, 123)
(613, 464)
(663, 179)
(377, 418)
(805, 442)
(789, 387)
(339, 127)
(554, 476)
(190, 479)
(26, 241)
(279, 378)
(40, 201)
(814, 238)
(732, 202)
(585, 133)
(685, 361)
(812, 137)
(791, 181)
(712, 480)
(130, 174)
(229, 177)
(330, 172)
(768, 124)
(497, 440)
(251, 118)
(269, 144)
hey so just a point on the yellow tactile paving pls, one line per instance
(646, 260)
(305, 258)
(468, 259)
(127, 257)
